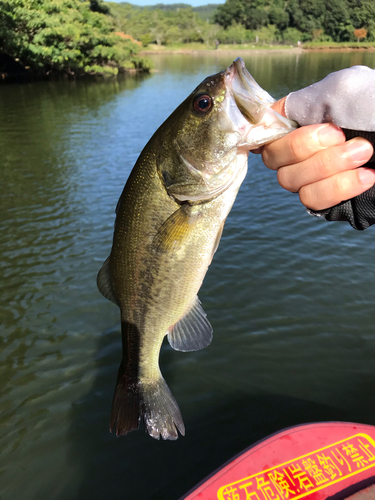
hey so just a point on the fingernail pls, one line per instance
(359, 149)
(330, 135)
(367, 176)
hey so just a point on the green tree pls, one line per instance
(121, 16)
(306, 15)
(336, 23)
(64, 36)
(165, 25)
(236, 33)
(292, 35)
(207, 12)
(232, 11)
(362, 15)
(210, 33)
(146, 39)
(98, 6)
(267, 34)
(159, 28)
(250, 13)
(279, 17)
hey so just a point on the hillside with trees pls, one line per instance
(322, 20)
(164, 24)
(244, 21)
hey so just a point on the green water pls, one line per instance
(290, 297)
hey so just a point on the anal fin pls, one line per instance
(193, 331)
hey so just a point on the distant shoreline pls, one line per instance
(294, 50)
(340, 49)
(256, 51)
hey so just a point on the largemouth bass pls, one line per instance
(169, 222)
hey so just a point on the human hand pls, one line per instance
(316, 162)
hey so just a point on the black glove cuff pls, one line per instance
(359, 211)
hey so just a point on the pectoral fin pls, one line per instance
(175, 230)
(193, 331)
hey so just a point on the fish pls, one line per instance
(169, 221)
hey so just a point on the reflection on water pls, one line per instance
(290, 297)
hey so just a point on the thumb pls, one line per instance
(279, 106)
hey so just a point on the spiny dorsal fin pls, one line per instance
(193, 331)
(104, 282)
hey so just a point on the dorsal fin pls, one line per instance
(104, 282)
(193, 331)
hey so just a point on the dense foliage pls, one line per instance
(161, 24)
(64, 36)
(314, 19)
(244, 21)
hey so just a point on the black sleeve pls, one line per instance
(359, 211)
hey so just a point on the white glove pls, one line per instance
(346, 98)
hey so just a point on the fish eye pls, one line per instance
(202, 103)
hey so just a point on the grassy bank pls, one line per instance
(341, 45)
(200, 47)
(187, 48)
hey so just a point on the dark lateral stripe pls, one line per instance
(125, 415)
(130, 350)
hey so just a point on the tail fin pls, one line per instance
(160, 412)
(125, 405)
(151, 402)
(136, 399)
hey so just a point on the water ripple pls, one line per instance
(290, 297)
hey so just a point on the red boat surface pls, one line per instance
(321, 461)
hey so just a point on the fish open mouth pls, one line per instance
(249, 108)
(250, 98)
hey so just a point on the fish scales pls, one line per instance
(169, 221)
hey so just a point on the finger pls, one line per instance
(301, 144)
(325, 163)
(337, 188)
(279, 107)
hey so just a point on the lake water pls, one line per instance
(290, 297)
